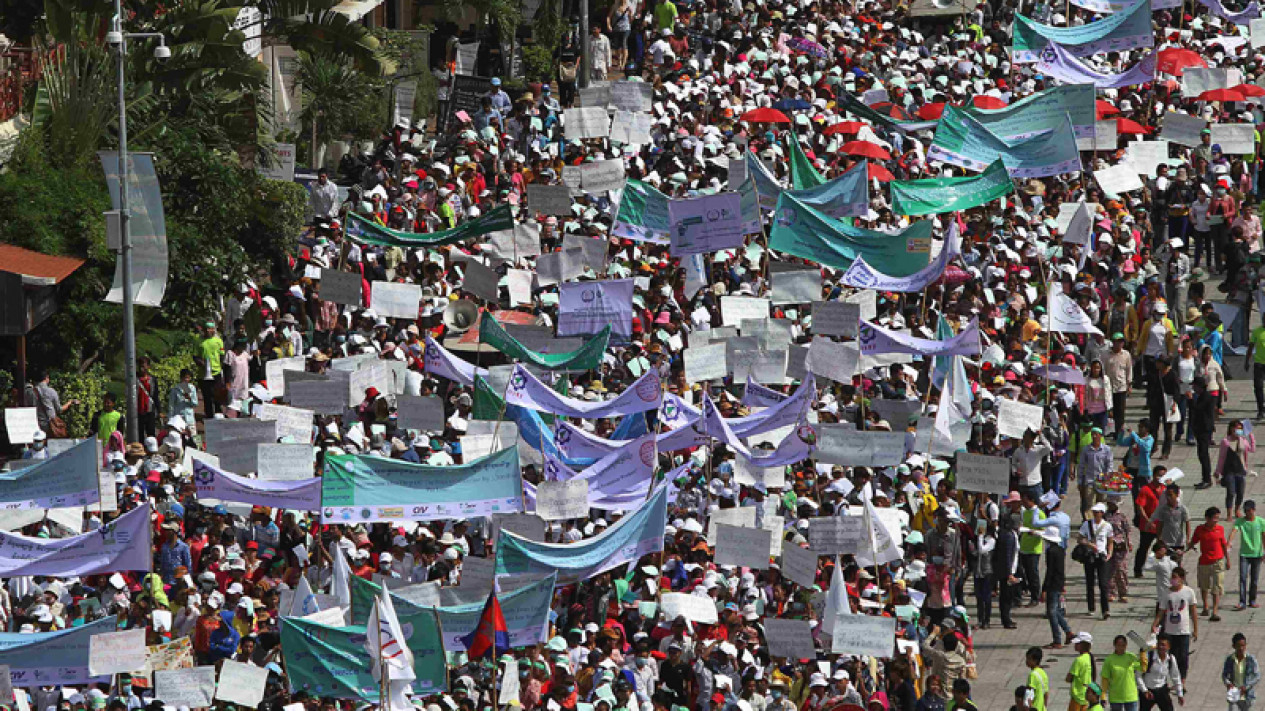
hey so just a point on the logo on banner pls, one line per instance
(518, 381)
(647, 453)
(866, 334)
(648, 389)
(807, 434)
(1047, 55)
(787, 217)
(202, 476)
(589, 295)
(432, 351)
(551, 470)
(562, 437)
(862, 276)
(670, 410)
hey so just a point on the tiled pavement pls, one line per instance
(1000, 652)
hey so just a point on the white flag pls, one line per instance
(386, 642)
(1079, 229)
(340, 587)
(1066, 316)
(304, 601)
(882, 540)
(953, 414)
(837, 602)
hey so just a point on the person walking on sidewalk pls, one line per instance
(1250, 527)
(1232, 465)
(1240, 673)
(1210, 538)
(1203, 421)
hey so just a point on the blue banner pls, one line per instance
(52, 658)
(68, 479)
(635, 535)
(1128, 29)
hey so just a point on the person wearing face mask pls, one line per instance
(38, 448)
(1232, 465)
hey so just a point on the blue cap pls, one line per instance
(496, 81)
(220, 510)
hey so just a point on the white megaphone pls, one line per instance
(461, 315)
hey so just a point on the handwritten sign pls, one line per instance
(549, 199)
(864, 635)
(839, 444)
(602, 175)
(562, 500)
(586, 122)
(286, 462)
(796, 286)
(425, 413)
(341, 287)
(789, 639)
(705, 363)
(694, 608)
(741, 516)
(747, 547)
(982, 473)
(800, 564)
(116, 652)
(735, 309)
(293, 423)
(185, 687)
(1014, 418)
(632, 96)
(243, 683)
(396, 300)
(831, 535)
(631, 128)
(21, 424)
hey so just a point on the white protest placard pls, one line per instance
(522, 241)
(602, 175)
(695, 608)
(116, 652)
(109, 492)
(529, 526)
(326, 397)
(341, 287)
(799, 564)
(836, 361)
(596, 94)
(1014, 418)
(735, 309)
(1106, 135)
(1197, 80)
(587, 307)
(286, 462)
(748, 474)
(1181, 128)
(185, 687)
(292, 422)
(839, 444)
(796, 286)
(1235, 138)
(739, 545)
(557, 267)
(519, 284)
(705, 363)
(481, 281)
(402, 112)
(1118, 179)
(421, 412)
(1258, 33)
(6, 684)
(864, 635)
(897, 413)
(549, 199)
(637, 96)
(243, 683)
(709, 223)
(1146, 155)
(586, 122)
(373, 375)
(507, 695)
(759, 365)
(331, 616)
(982, 474)
(562, 500)
(273, 373)
(395, 300)
(21, 424)
(631, 128)
(835, 318)
(789, 639)
(737, 172)
(776, 526)
(741, 516)
(770, 333)
(831, 535)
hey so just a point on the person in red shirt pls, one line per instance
(1210, 538)
(1147, 500)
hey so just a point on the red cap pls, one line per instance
(718, 698)
(252, 545)
(371, 392)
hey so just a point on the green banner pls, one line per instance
(488, 404)
(364, 230)
(936, 195)
(804, 232)
(586, 357)
(333, 662)
(643, 214)
(803, 174)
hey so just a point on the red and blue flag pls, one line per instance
(490, 634)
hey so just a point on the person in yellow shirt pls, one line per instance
(1081, 675)
(1038, 680)
(1031, 326)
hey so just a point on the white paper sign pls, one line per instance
(1182, 128)
(632, 96)
(837, 361)
(1258, 33)
(193, 687)
(799, 564)
(839, 444)
(292, 422)
(864, 635)
(706, 224)
(243, 683)
(395, 300)
(983, 474)
(741, 516)
(22, 424)
(631, 128)
(835, 318)
(1118, 179)
(600, 176)
(789, 639)
(286, 462)
(273, 372)
(705, 363)
(694, 608)
(1235, 138)
(799, 286)
(562, 500)
(747, 547)
(1146, 155)
(734, 309)
(831, 535)
(586, 122)
(117, 652)
(1014, 418)
(549, 199)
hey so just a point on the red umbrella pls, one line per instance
(1105, 109)
(843, 127)
(984, 101)
(1126, 127)
(931, 112)
(887, 108)
(1176, 60)
(1249, 90)
(867, 149)
(1221, 95)
(765, 115)
(876, 171)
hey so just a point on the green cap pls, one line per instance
(1094, 687)
(1116, 335)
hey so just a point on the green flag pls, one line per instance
(488, 403)
(803, 174)
(804, 232)
(586, 357)
(936, 195)
(364, 230)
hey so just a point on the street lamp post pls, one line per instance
(116, 36)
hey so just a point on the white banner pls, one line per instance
(864, 635)
(706, 224)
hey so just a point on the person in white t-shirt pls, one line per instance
(1096, 533)
(1177, 619)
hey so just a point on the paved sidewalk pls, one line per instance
(1000, 651)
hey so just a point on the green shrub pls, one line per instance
(88, 388)
(167, 372)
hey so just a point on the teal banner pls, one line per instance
(800, 230)
(937, 195)
(1041, 112)
(1128, 29)
(961, 140)
(335, 662)
(642, 214)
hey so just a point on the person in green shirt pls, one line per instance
(665, 15)
(108, 421)
(1117, 673)
(1250, 527)
(210, 360)
(1038, 680)
(1081, 675)
(1255, 357)
(1093, 697)
(1031, 546)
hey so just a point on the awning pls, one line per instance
(355, 10)
(36, 268)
